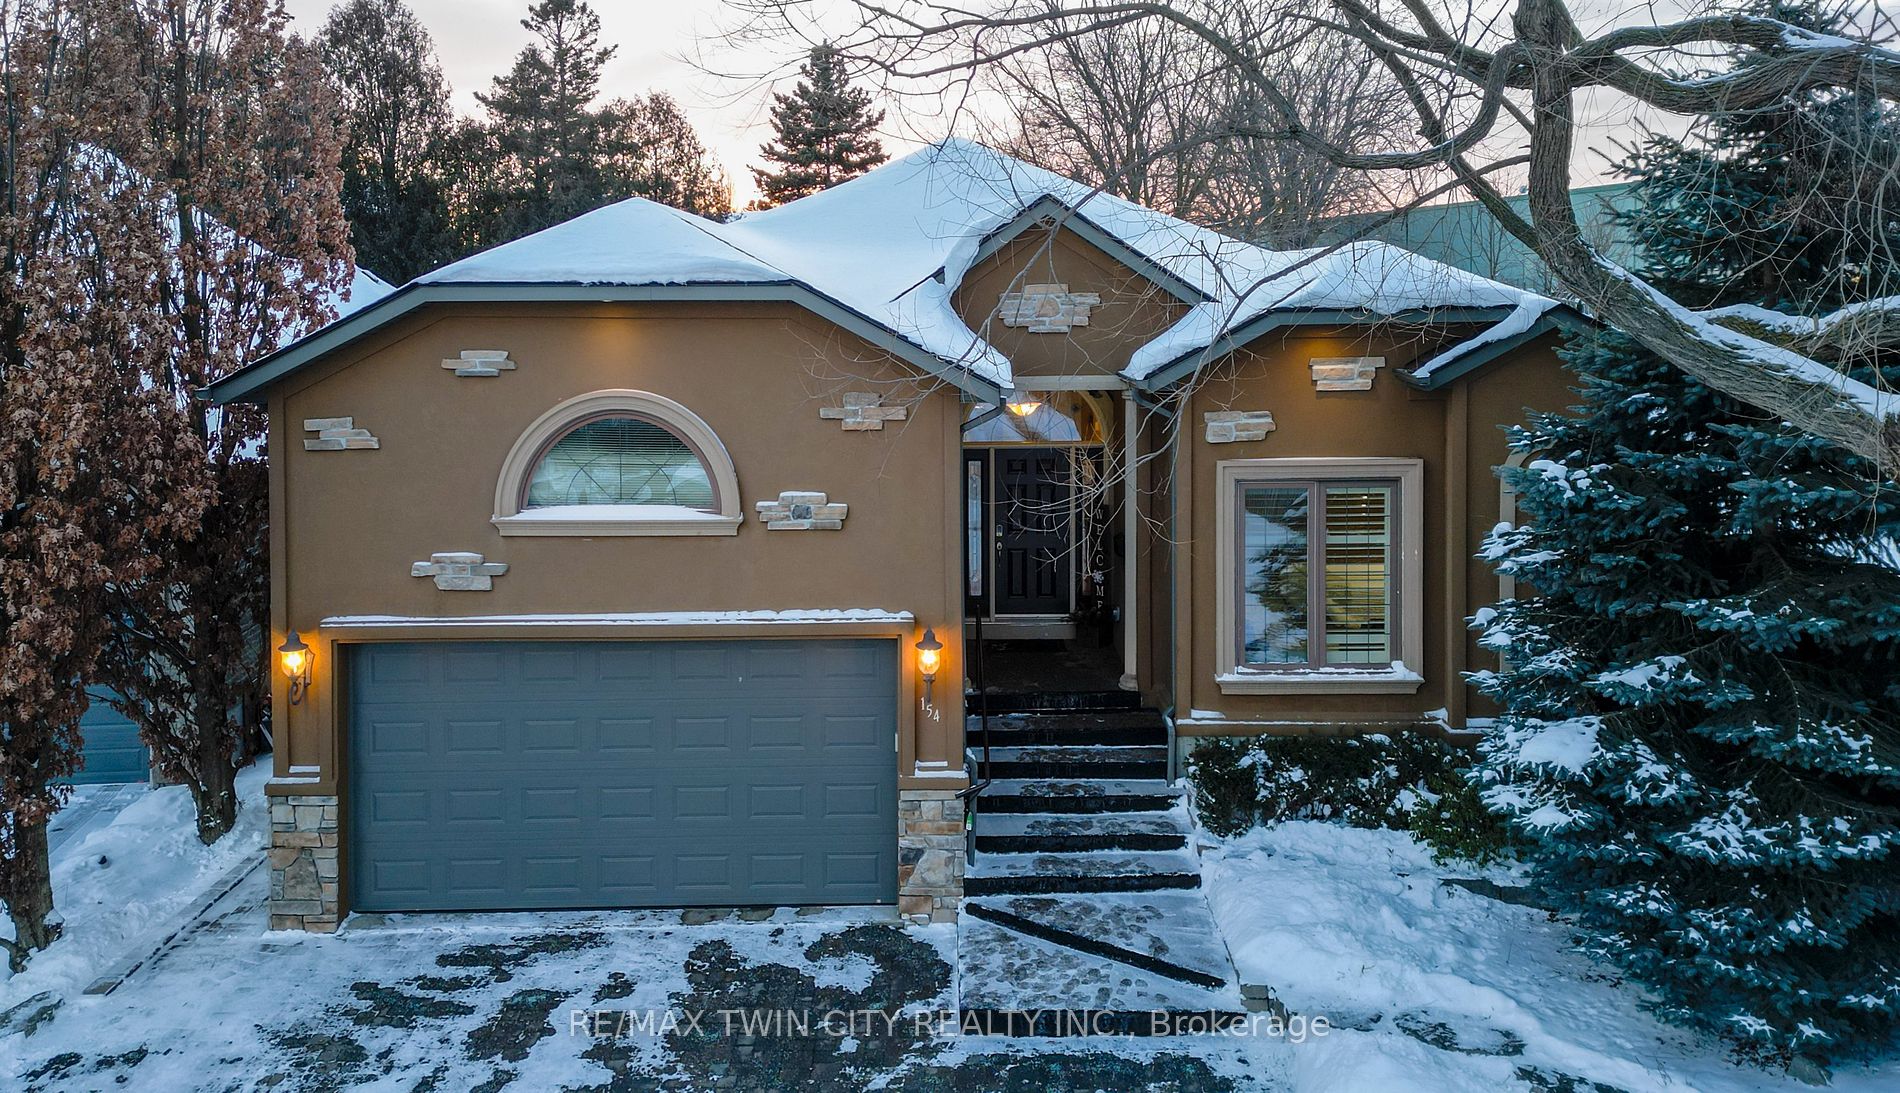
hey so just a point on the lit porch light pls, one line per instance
(294, 657)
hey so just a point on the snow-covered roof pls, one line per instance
(892, 246)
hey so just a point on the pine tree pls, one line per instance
(825, 133)
(395, 112)
(1701, 703)
(543, 118)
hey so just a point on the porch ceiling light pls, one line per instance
(1022, 403)
(294, 657)
(929, 659)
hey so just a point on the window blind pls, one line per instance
(1358, 574)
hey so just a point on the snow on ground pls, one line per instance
(1355, 925)
(117, 886)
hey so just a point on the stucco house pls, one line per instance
(612, 563)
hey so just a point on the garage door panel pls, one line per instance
(518, 775)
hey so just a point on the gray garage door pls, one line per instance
(112, 749)
(500, 775)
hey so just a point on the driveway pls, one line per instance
(635, 1001)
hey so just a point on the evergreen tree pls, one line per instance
(543, 118)
(824, 133)
(395, 103)
(1700, 728)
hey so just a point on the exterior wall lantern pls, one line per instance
(294, 657)
(929, 659)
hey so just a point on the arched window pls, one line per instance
(618, 463)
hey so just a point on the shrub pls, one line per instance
(1410, 782)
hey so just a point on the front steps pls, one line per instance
(1083, 913)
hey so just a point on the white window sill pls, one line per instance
(1396, 680)
(601, 520)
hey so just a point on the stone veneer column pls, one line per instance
(930, 854)
(303, 863)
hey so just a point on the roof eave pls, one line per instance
(249, 383)
(1239, 337)
(1049, 206)
(1561, 318)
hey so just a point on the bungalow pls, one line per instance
(607, 564)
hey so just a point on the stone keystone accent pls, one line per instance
(863, 412)
(1228, 426)
(303, 863)
(798, 510)
(480, 362)
(334, 434)
(1345, 373)
(1047, 309)
(459, 571)
(930, 854)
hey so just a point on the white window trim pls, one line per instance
(511, 519)
(1404, 676)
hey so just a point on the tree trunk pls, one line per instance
(30, 900)
(214, 789)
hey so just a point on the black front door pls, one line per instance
(1031, 515)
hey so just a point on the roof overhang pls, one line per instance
(1189, 363)
(1049, 208)
(1559, 319)
(249, 384)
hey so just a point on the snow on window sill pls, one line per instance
(1394, 679)
(591, 520)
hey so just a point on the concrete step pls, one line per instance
(1114, 728)
(1056, 833)
(1066, 761)
(1112, 871)
(1074, 795)
(1015, 701)
(1169, 933)
(1012, 984)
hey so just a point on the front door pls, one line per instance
(1031, 515)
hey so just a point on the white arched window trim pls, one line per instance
(511, 519)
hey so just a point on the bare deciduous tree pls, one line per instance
(1149, 112)
(1485, 85)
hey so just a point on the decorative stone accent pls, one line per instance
(1047, 309)
(1228, 426)
(480, 362)
(334, 434)
(863, 411)
(797, 510)
(1345, 373)
(930, 854)
(303, 863)
(460, 571)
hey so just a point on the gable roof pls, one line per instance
(883, 254)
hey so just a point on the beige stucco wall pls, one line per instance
(1455, 433)
(347, 525)
(1133, 309)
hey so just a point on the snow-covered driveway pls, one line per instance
(545, 1002)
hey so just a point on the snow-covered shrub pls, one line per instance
(1409, 782)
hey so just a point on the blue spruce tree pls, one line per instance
(1700, 728)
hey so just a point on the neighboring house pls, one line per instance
(1464, 234)
(614, 545)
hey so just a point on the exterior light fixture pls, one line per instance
(929, 659)
(1022, 403)
(295, 657)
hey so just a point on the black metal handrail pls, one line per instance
(970, 793)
